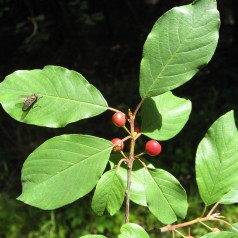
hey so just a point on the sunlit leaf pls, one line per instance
(137, 193)
(131, 230)
(181, 42)
(217, 160)
(222, 234)
(109, 193)
(165, 196)
(64, 96)
(231, 197)
(63, 169)
(164, 116)
(235, 228)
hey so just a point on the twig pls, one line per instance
(119, 163)
(123, 154)
(204, 210)
(113, 109)
(125, 128)
(213, 208)
(137, 136)
(129, 164)
(128, 189)
(138, 107)
(143, 163)
(126, 138)
(189, 223)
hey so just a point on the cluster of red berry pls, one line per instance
(152, 147)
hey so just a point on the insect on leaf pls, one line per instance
(71, 96)
(29, 101)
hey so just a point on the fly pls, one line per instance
(29, 101)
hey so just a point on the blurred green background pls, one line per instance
(103, 40)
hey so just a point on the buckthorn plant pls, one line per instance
(181, 42)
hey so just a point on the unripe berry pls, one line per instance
(119, 119)
(215, 229)
(118, 144)
(152, 147)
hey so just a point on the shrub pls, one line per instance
(67, 167)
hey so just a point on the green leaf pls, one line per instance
(131, 230)
(217, 160)
(222, 234)
(93, 236)
(165, 196)
(234, 227)
(230, 198)
(109, 193)
(181, 42)
(137, 193)
(64, 96)
(164, 116)
(63, 169)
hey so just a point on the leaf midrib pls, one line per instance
(69, 167)
(162, 193)
(171, 58)
(60, 98)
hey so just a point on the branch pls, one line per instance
(128, 189)
(214, 217)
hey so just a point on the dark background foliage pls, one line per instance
(103, 40)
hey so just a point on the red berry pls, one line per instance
(152, 147)
(119, 119)
(118, 144)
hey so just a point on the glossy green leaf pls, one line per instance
(230, 198)
(109, 193)
(165, 196)
(217, 160)
(63, 169)
(137, 193)
(181, 42)
(93, 236)
(164, 116)
(131, 230)
(64, 96)
(222, 234)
